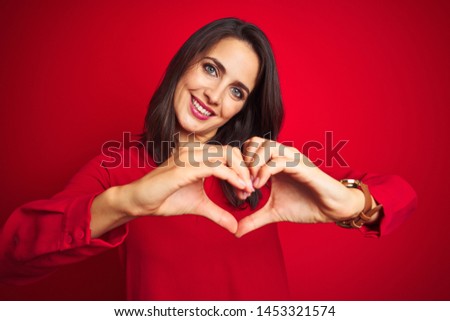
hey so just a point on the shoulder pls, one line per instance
(125, 163)
(113, 157)
(117, 165)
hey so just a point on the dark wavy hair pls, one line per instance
(261, 115)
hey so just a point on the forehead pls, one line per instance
(239, 59)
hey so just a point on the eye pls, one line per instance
(236, 92)
(210, 69)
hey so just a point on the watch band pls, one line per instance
(367, 213)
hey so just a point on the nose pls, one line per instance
(213, 95)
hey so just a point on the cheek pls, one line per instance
(195, 79)
(187, 81)
(232, 107)
(179, 91)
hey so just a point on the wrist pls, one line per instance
(357, 202)
(358, 205)
(107, 212)
(370, 210)
(122, 201)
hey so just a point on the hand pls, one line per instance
(300, 192)
(176, 186)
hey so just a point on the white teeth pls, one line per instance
(202, 110)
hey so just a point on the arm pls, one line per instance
(398, 198)
(303, 193)
(42, 235)
(89, 216)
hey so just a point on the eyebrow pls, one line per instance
(223, 70)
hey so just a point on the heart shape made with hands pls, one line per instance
(283, 199)
(292, 191)
(213, 190)
(298, 194)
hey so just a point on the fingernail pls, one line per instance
(242, 182)
(251, 183)
(256, 182)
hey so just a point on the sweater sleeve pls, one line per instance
(398, 198)
(40, 236)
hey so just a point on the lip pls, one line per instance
(196, 113)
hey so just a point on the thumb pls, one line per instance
(254, 221)
(218, 215)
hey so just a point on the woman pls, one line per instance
(204, 132)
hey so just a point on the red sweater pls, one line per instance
(167, 258)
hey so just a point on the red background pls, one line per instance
(77, 73)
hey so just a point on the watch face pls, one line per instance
(354, 183)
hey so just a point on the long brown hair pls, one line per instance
(261, 115)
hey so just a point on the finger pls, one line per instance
(249, 149)
(232, 157)
(276, 149)
(242, 195)
(218, 216)
(273, 167)
(254, 221)
(266, 150)
(236, 162)
(225, 173)
(196, 167)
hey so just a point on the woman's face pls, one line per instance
(215, 89)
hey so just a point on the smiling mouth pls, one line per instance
(201, 108)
